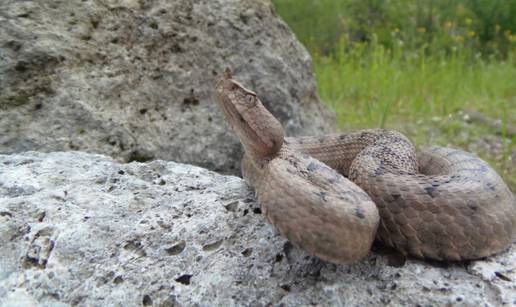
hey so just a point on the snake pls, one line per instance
(334, 195)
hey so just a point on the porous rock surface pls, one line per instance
(135, 79)
(82, 229)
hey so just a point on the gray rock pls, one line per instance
(82, 229)
(135, 79)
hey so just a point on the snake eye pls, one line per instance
(250, 99)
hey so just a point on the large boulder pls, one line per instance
(82, 229)
(135, 79)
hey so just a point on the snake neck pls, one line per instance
(254, 169)
(259, 131)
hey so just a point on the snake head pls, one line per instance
(258, 130)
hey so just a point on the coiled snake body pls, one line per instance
(332, 195)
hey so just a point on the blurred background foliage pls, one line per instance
(417, 66)
(486, 27)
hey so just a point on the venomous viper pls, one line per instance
(333, 194)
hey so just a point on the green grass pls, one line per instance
(378, 87)
(414, 79)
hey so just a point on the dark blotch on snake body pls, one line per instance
(380, 170)
(353, 174)
(312, 167)
(430, 191)
(395, 197)
(321, 194)
(292, 171)
(359, 212)
(472, 205)
(333, 180)
(293, 161)
(490, 186)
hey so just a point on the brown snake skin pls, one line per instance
(333, 194)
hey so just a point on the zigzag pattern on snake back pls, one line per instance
(333, 194)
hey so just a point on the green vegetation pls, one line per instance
(415, 66)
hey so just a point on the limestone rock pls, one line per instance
(82, 229)
(135, 79)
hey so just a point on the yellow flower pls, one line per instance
(471, 33)
(421, 29)
(448, 24)
(459, 39)
(468, 21)
(510, 37)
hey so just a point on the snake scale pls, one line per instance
(333, 195)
